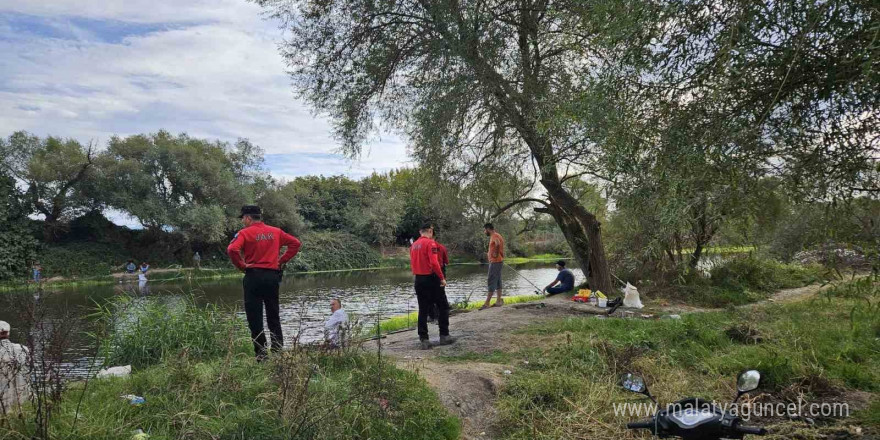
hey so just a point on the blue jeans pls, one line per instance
(558, 289)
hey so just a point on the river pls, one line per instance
(367, 295)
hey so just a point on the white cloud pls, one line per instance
(214, 72)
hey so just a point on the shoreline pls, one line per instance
(189, 273)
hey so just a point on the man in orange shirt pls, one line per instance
(496, 263)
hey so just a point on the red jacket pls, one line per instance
(423, 257)
(261, 244)
(442, 255)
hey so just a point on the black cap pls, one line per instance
(250, 210)
(561, 263)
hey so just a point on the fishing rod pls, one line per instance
(538, 290)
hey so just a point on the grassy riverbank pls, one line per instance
(823, 349)
(194, 366)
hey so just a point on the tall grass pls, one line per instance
(740, 281)
(145, 333)
(195, 367)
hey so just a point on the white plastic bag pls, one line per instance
(631, 297)
(115, 371)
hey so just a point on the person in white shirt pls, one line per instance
(14, 388)
(336, 325)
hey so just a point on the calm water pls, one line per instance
(369, 295)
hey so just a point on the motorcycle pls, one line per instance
(694, 418)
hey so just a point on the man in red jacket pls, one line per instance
(255, 250)
(429, 284)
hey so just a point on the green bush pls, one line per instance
(146, 332)
(333, 251)
(762, 275)
(82, 259)
(17, 250)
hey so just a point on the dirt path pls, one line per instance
(469, 388)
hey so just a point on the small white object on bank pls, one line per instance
(631, 297)
(115, 371)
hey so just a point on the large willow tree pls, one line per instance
(471, 84)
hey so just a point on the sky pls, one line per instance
(91, 69)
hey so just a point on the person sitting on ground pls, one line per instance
(564, 282)
(130, 267)
(13, 370)
(336, 325)
(144, 267)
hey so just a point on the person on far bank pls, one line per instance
(496, 263)
(144, 268)
(564, 282)
(38, 272)
(443, 257)
(255, 251)
(429, 284)
(130, 267)
(197, 260)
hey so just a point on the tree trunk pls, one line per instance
(583, 233)
(695, 257)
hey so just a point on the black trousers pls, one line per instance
(429, 293)
(261, 288)
(433, 311)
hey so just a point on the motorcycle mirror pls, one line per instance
(633, 383)
(747, 381)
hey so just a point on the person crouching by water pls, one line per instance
(254, 251)
(564, 281)
(14, 388)
(336, 326)
(429, 284)
(144, 268)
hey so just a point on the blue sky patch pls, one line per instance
(17, 25)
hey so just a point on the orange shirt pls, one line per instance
(496, 248)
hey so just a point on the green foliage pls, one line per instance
(82, 259)
(328, 203)
(181, 182)
(58, 174)
(279, 204)
(808, 225)
(333, 251)
(380, 218)
(18, 248)
(742, 280)
(761, 275)
(145, 333)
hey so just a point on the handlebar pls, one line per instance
(644, 424)
(753, 430)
